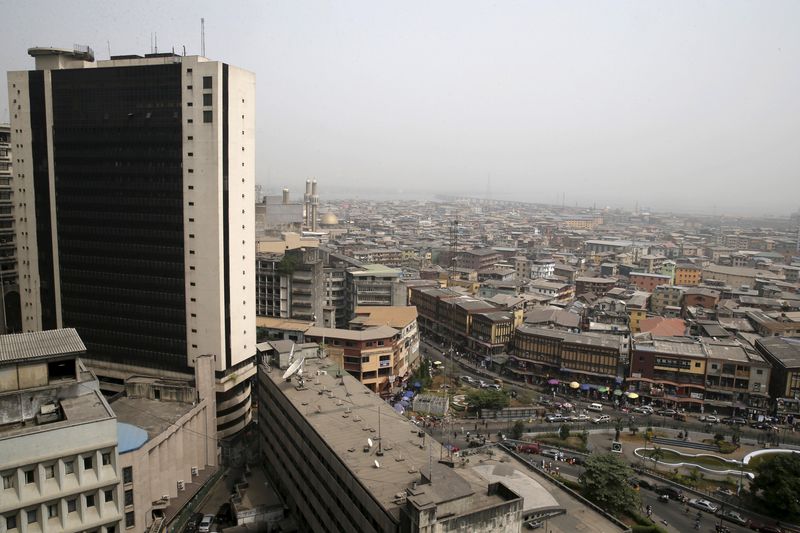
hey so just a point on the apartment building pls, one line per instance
(737, 379)
(598, 286)
(290, 285)
(492, 332)
(145, 242)
(784, 385)
(478, 259)
(401, 318)
(9, 289)
(372, 285)
(648, 282)
(666, 299)
(58, 439)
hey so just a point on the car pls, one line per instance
(580, 418)
(711, 419)
(533, 524)
(668, 412)
(672, 492)
(680, 417)
(634, 483)
(763, 425)
(602, 419)
(703, 505)
(224, 514)
(643, 409)
(467, 379)
(193, 523)
(494, 386)
(482, 384)
(646, 484)
(575, 460)
(205, 523)
(529, 448)
(551, 452)
(735, 517)
(554, 417)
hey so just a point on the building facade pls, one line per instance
(145, 241)
(9, 289)
(58, 439)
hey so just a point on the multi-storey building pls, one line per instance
(648, 282)
(478, 259)
(784, 384)
(598, 286)
(401, 318)
(371, 285)
(145, 241)
(334, 478)
(290, 285)
(9, 290)
(540, 354)
(58, 439)
(542, 268)
(491, 332)
(737, 379)
(666, 298)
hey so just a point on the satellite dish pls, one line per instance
(377, 464)
(293, 368)
(369, 441)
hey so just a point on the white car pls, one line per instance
(205, 523)
(711, 419)
(703, 505)
(580, 418)
(602, 419)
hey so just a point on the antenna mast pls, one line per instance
(203, 37)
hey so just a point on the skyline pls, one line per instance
(683, 109)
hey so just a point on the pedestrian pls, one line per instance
(557, 471)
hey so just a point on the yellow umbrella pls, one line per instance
(574, 385)
(632, 395)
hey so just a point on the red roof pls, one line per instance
(663, 327)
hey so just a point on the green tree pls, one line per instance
(776, 487)
(478, 399)
(619, 425)
(656, 455)
(563, 432)
(605, 482)
(423, 374)
(517, 429)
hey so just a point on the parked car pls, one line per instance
(633, 482)
(668, 412)
(763, 425)
(554, 417)
(533, 447)
(643, 409)
(602, 419)
(680, 417)
(703, 505)
(224, 514)
(580, 418)
(193, 523)
(646, 484)
(205, 523)
(467, 379)
(494, 386)
(711, 419)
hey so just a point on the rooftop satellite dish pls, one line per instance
(369, 441)
(377, 464)
(293, 368)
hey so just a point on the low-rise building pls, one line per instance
(598, 286)
(645, 281)
(666, 296)
(784, 384)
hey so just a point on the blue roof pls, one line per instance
(130, 437)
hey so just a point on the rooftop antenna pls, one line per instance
(380, 441)
(155, 43)
(203, 37)
(108, 43)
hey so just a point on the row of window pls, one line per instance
(30, 474)
(53, 510)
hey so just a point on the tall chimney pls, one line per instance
(285, 196)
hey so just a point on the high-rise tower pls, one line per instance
(135, 218)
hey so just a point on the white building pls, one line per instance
(58, 439)
(145, 242)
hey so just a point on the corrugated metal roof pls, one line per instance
(39, 344)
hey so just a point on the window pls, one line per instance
(127, 474)
(207, 99)
(52, 510)
(69, 467)
(129, 519)
(72, 505)
(108, 495)
(11, 521)
(759, 372)
(90, 500)
(189, 104)
(33, 516)
(206, 82)
(189, 87)
(190, 121)
(49, 471)
(129, 497)
(190, 138)
(87, 463)
(207, 116)
(188, 71)
(8, 481)
(191, 154)
(29, 476)
(106, 459)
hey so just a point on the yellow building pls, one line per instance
(687, 275)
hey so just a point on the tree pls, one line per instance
(605, 482)
(563, 432)
(487, 399)
(619, 425)
(517, 429)
(776, 487)
(656, 455)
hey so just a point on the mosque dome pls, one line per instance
(329, 219)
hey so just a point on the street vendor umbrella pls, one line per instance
(632, 395)
(552, 382)
(617, 392)
(602, 389)
(574, 385)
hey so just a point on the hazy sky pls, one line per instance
(683, 105)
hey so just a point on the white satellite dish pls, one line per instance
(377, 464)
(369, 441)
(293, 368)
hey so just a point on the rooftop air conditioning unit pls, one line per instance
(181, 485)
(195, 471)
